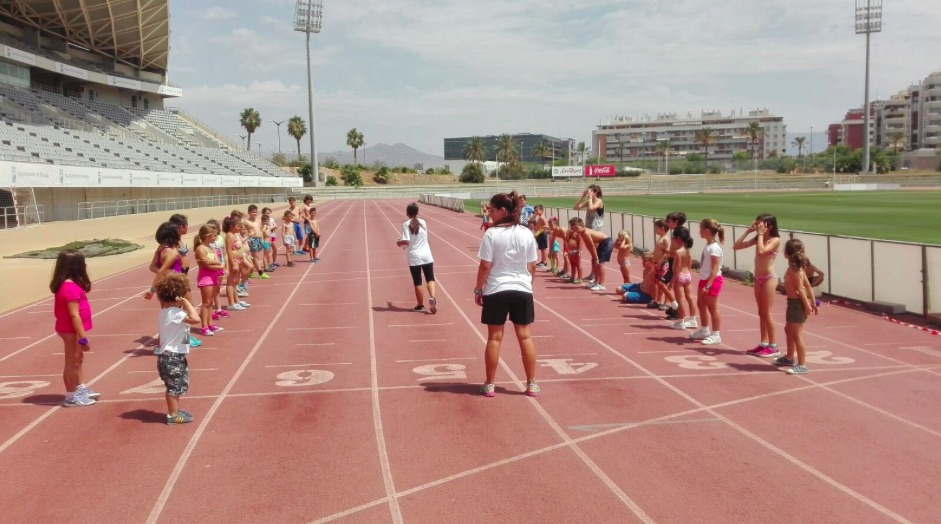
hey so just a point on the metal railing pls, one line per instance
(110, 208)
(454, 204)
(21, 216)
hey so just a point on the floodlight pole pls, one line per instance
(868, 21)
(308, 19)
(275, 122)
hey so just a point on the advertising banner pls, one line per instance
(19, 56)
(24, 174)
(603, 170)
(120, 81)
(566, 171)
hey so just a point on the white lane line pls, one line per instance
(374, 382)
(15, 338)
(31, 376)
(665, 351)
(424, 360)
(543, 336)
(330, 304)
(191, 369)
(161, 501)
(430, 340)
(419, 325)
(320, 344)
(567, 354)
(319, 328)
(311, 365)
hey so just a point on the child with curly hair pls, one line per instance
(176, 315)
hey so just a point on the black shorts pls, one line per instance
(313, 240)
(666, 271)
(604, 250)
(517, 304)
(175, 373)
(542, 241)
(428, 269)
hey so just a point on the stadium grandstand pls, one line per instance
(82, 117)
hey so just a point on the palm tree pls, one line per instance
(544, 151)
(664, 148)
(706, 137)
(799, 142)
(896, 139)
(475, 150)
(355, 140)
(250, 120)
(619, 149)
(581, 149)
(506, 149)
(755, 133)
(297, 128)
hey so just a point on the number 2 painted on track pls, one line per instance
(20, 389)
(303, 377)
(826, 357)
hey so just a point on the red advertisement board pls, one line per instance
(604, 170)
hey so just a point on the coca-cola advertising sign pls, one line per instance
(607, 170)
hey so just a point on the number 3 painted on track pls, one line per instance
(303, 377)
(697, 362)
(20, 389)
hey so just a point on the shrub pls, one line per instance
(472, 174)
(715, 169)
(332, 181)
(511, 171)
(430, 171)
(383, 175)
(351, 176)
(305, 172)
(538, 173)
(331, 163)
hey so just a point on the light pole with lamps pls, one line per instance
(243, 140)
(275, 122)
(811, 148)
(868, 21)
(308, 18)
(259, 148)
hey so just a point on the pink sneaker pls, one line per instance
(755, 350)
(768, 352)
(216, 316)
(213, 327)
(206, 332)
(223, 313)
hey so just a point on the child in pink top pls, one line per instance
(70, 283)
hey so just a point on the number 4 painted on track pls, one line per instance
(567, 366)
(20, 389)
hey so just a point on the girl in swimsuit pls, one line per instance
(687, 315)
(624, 247)
(767, 241)
(167, 259)
(233, 249)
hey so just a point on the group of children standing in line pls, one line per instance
(240, 248)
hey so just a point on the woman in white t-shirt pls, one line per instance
(505, 287)
(415, 241)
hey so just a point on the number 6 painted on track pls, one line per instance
(303, 377)
(824, 357)
(20, 389)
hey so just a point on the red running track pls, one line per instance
(330, 400)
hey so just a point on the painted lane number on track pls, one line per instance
(706, 362)
(566, 366)
(151, 388)
(441, 371)
(303, 377)
(20, 389)
(827, 358)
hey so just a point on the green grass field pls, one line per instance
(911, 216)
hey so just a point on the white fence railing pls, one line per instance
(21, 216)
(454, 204)
(110, 208)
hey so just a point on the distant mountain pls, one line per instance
(392, 156)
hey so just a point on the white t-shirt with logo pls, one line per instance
(509, 250)
(705, 261)
(418, 251)
(174, 331)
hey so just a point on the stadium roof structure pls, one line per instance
(134, 32)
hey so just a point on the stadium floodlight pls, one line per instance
(308, 18)
(275, 122)
(868, 21)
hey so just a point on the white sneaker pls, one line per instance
(241, 293)
(433, 302)
(79, 399)
(244, 304)
(700, 334)
(94, 395)
(597, 287)
(679, 324)
(692, 323)
(712, 340)
(237, 307)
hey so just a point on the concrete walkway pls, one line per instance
(24, 281)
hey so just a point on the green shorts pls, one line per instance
(795, 311)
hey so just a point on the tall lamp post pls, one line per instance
(308, 18)
(275, 122)
(243, 140)
(868, 21)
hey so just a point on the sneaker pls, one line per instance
(316, 259)
(756, 349)
(223, 313)
(663, 307)
(653, 305)
(418, 308)
(680, 324)
(433, 302)
(252, 275)
(291, 264)
(195, 342)
(597, 287)
(206, 332)
(241, 292)
(237, 307)
(768, 352)
(590, 284)
(299, 252)
(183, 411)
(673, 314)
(214, 328)
(271, 267)
(264, 276)
(244, 304)
(542, 265)
(783, 361)
(562, 274)
(577, 281)
(692, 323)
(712, 340)
(700, 333)
(181, 417)
(797, 369)
(216, 316)
(532, 389)
(488, 390)
(78, 399)
(94, 395)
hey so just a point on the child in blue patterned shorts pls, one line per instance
(176, 315)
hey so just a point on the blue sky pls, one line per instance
(416, 71)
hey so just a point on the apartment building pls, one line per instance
(625, 139)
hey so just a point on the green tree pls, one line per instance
(755, 134)
(506, 149)
(705, 137)
(383, 175)
(305, 172)
(472, 174)
(351, 177)
(664, 148)
(511, 171)
(544, 151)
(297, 128)
(250, 120)
(799, 143)
(896, 140)
(355, 140)
(332, 181)
(475, 150)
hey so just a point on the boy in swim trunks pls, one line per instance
(573, 246)
(664, 263)
(642, 293)
(599, 247)
(313, 237)
(557, 238)
(541, 230)
(256, 240)
(287, 236)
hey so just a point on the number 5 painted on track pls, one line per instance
(20, 389)
(303, 377)
(824, 357)
(696, 362)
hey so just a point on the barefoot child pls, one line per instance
(176, 315)
(710, 283)
(801, 303)
(664, 262)
(69, 284)
(218, 245)
(541, 229)
(557, 236)
(207, 279)
(682, 280)
(313, 238)
(766, 241)
(287, 237)
(573, 247)
(599, 247)
(624, 247)
(642, 293)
